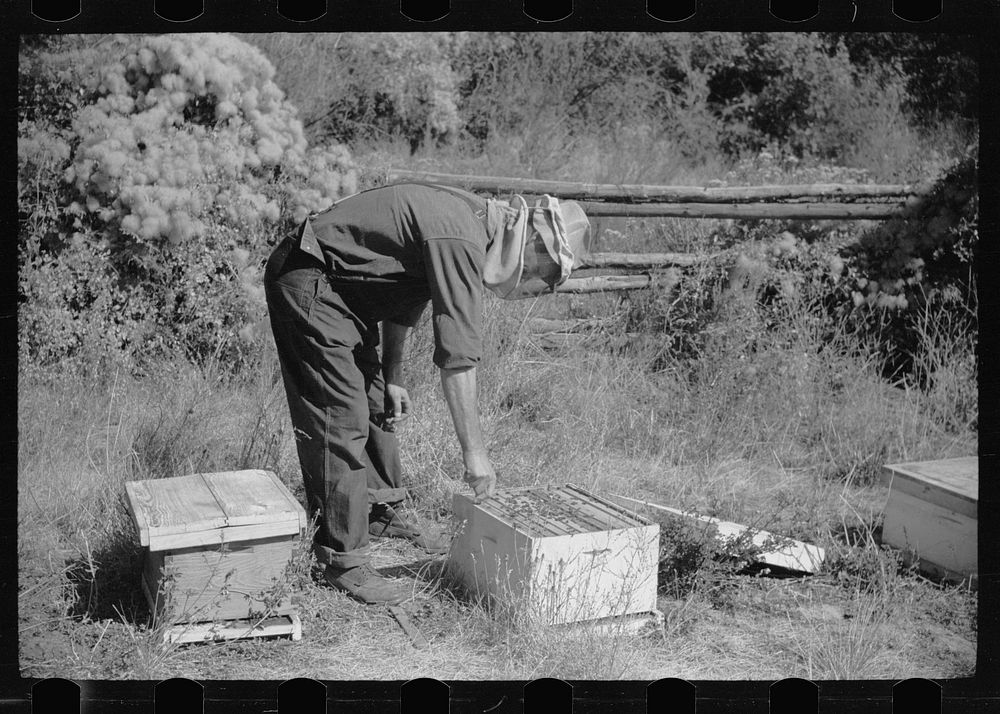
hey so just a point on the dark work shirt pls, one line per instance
(390, 250)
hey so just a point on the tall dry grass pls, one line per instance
(787, 437)
(81, 439)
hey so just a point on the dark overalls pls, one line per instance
(380, 255)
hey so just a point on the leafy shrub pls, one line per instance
(782, 87)
(925, 252)
(538, 94)
(541, 95)
(920, 260)
(533, 100)
(153, 171)
(940, 70)
(361, 88)
(684, 550)
(901, 292)
(693, 554)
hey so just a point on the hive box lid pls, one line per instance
(212, 508)
(951, 483)
(559, 510)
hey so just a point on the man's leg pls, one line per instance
(385, 477)
(326, 400)
(316, 336)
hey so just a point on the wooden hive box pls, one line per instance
(561, 553)
(216, 544)
(932, 512)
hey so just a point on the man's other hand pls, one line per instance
(397, 403)
(479, 474)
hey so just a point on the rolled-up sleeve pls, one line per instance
(455, 277)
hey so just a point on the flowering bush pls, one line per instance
(881, 283)
(919, 262)
(924, 253)
(174, 160)
(185, 123)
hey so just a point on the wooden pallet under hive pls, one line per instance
(559, 554)
(216, 549)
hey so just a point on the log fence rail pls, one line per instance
(804, 201)
(639, 193)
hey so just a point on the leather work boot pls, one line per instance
(386, 522)
(365, 584)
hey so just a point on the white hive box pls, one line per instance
(561, 553)
(218, 543)
(932, 512)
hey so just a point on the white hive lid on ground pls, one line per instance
(213, 508)
(951, 483)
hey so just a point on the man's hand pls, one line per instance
(397, 403)
(397, 400)
(460, 393)
(479, 474)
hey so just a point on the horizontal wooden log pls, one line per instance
(641, 260)
(540, 325)
(604, 283)
(567, 340)
(802, 211)
(643, 192)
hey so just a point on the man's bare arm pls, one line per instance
(459, 387)
(393, 351)
(398, 404)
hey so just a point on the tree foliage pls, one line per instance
(366, 87)
(155, 171)
(811, 94)
(940, 72)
